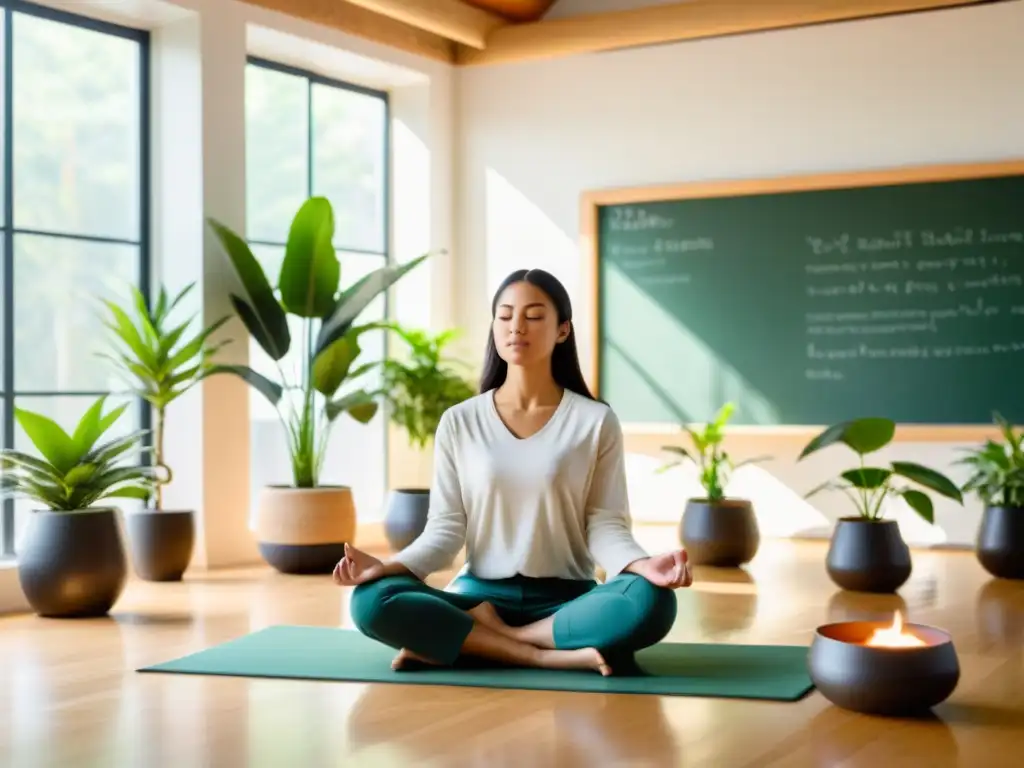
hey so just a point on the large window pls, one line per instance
(74, 214)
(307, 135)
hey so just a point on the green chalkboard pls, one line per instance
(812, 305)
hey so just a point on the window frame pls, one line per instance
(314, 78)
(8, 230)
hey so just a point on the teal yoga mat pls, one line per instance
(772, 672)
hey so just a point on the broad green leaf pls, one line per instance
(929, 478)
(267, 313)
(310, 271)
(867, 478)
(353, 301)
(56, 445)
(331, 367)
(722, 417)
(360, 405)
(88, 428)
(920, 503)
(255, 327)
(79, 474)
(269, 389)
(862, 435)
(129, 492)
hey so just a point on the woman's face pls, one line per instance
(526, 326)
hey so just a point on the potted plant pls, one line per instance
(303, 527)
(867, 553)
(72, 561)
(716, 529)
(160, 364)
(997, 477)
(418, 391)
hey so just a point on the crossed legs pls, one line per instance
(437, 627)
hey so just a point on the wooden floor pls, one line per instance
(69, 695)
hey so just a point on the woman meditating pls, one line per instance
(529, 476)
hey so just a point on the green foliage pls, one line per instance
(421, 390)
(308, 288)
(997, 468)
(158, 361)
(714, 463)
(868, 487)
(72, 472)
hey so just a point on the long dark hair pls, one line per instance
(565, 362)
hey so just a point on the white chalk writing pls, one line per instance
(631, 219)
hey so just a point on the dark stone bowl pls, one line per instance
(896, 682)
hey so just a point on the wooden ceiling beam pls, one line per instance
(360, 22)
(451, 19)
(676, 22)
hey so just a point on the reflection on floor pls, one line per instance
(73, 699)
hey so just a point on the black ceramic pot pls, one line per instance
(868, 556)
(406, 516)
(882, 681)
(73, 564)
(1000, 546)
(719, 533)
(161, 543)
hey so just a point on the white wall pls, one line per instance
(927, 88)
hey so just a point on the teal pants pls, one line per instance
(618, 617)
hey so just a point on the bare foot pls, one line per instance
(406, 659)
(584, 658)
(487, 614)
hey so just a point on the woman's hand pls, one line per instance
(669, 569)
(357, 567)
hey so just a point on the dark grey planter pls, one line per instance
(161, 543)
(73, 564)
(406, 516)
(720, 533)
(868, 556)
(1000, 545)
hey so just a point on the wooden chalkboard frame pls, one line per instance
(592, 200)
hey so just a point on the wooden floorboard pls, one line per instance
(70, 696)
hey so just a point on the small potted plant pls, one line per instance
(303, 527)
(72, 561)
(716, 529)
(997, 477)
(867, 553)
(159, 363)
(418, 391)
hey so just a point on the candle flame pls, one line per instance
(893, 636)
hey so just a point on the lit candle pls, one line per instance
(893, 636)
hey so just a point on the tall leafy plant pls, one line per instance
(308, 288)
(422, 387)
(158, 361)
(74, 472)
(868, 487)
(997, 469)
(713, 462)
